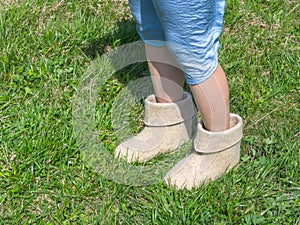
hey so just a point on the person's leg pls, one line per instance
(212, 99)
(166, 75)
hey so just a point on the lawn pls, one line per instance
(46, 47)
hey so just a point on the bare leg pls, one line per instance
(166, 75)
(212, 99)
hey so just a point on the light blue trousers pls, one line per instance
(190, 28)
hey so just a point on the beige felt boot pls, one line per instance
(215, 153)
(167, 126)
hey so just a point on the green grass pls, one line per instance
(45, 48)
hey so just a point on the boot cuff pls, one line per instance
(212, 142)
(166, 114)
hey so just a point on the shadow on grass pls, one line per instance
(123, 33)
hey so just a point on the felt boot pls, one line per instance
(167, 126)
(215, 153)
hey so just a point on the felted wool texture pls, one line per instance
(199, 168)
(168, 126)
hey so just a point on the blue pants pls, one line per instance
(190, 28)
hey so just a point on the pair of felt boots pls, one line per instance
(167, 126)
